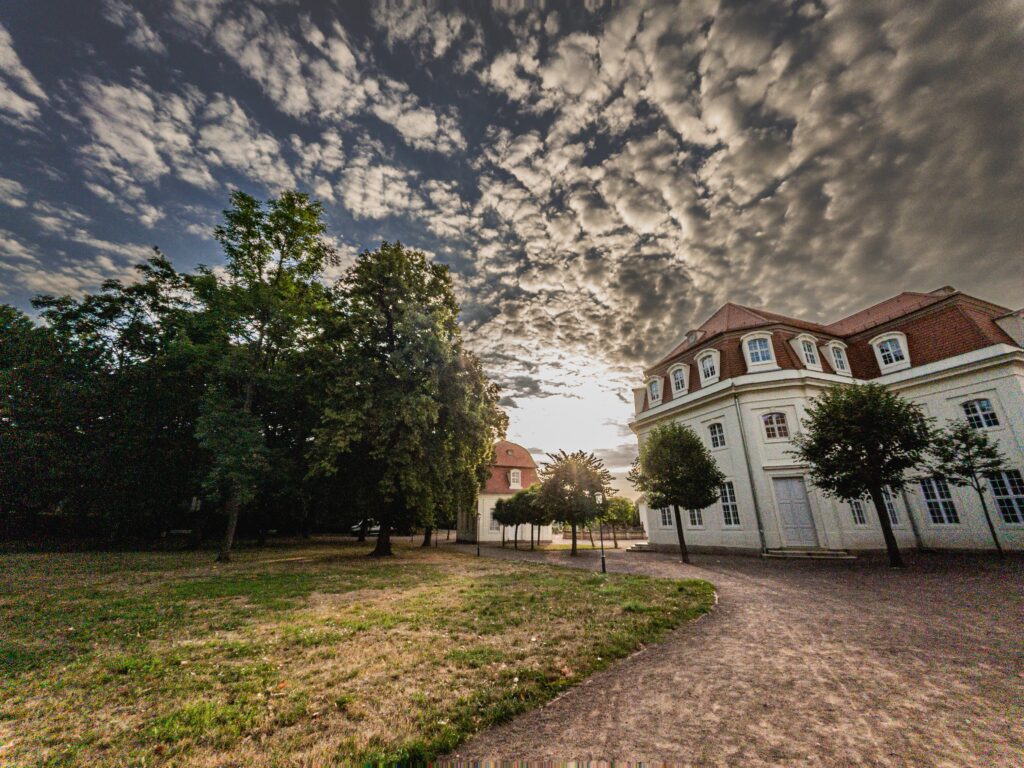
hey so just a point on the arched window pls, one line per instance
(839, 359)
(775, 426)
(680, 379)
(760, 350)
(654, 389)
(707, 362)
(891, 352)
(980, 413)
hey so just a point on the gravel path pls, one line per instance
(803, 663)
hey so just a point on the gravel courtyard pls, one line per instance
(803, 663)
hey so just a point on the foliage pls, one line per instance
(858, 440)
(966, 456)
(619, 511)
(570, 483)
(525, 507)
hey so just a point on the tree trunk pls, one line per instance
(573, 550)
(383, 547)
(515, 534)
(229, 535)
(307, 521)
(590, 532)
(895, 560)
(503, 537)
(531, 536)
(364, 526)
(427, 533)
(988, 519)
(614, 537)
(682, 539)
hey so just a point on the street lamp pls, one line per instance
(599, 498)
(478, 530)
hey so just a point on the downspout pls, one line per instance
(750, 472)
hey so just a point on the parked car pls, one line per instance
(373, 528)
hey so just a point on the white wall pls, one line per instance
(485, 508)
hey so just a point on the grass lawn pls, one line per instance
(298, 655)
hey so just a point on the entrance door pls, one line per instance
(795, 513)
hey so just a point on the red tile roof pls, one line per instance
(509, 456)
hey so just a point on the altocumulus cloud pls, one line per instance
(599, 181)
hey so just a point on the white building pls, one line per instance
(743, 380)
(513, 470)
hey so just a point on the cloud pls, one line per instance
(371, 188)
(12, 193)
(140, 34)
(20, 92)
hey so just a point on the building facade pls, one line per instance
(743, 381)
(513, 470)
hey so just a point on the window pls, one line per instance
(666, 518)
(890, 507)
(707, 367)
(654, 388)
(696, 518)
(1008, 491)
(857, 508)
(495, 525)
(940, 504)
(980, 413)
(678, 380)
(891, 352)
(730, 509)
(839, 359)
(515, 478)
(717, 433)
(775, 426)
(810, 354)
(760, 350)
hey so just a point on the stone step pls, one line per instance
(642, 546)
(809, 554)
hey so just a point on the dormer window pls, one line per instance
(807, 347)
(839, 362)
(708, 363)
(654, 391)
(679, 376)
(515, 478)
(758, 351)
(891, 352)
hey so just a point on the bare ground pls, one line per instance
(803, 663)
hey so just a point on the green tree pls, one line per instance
(675, 469)
(858, 440)
(966, 456)
(569, 484)
(618, 511)
(403, 390)
(264, 309)
(522, 508)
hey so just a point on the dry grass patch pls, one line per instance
(318, 655)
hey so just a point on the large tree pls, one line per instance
(858, 440)
(966, 456)
(264, 307)
(403, 390)
(675, 469)
(570, 484)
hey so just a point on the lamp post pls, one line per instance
(478, 530)
(599, 498)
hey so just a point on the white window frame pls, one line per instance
(765, 425)
(716, 361)
(761, 365)
(695, 518)
(730, 507)
(806, 347)
(890, 506)
(720, 436)
(939, 502)
(896, 365)
(859, 513)
(832, 349)
(977, 417)
(666, 514)
(515, 478)
(494, 524)
(686, 379)
(1008, 492)
(651, 400)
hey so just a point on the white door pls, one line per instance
(795, 513)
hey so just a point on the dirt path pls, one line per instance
(803, 663)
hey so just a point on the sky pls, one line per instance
(600, 177)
